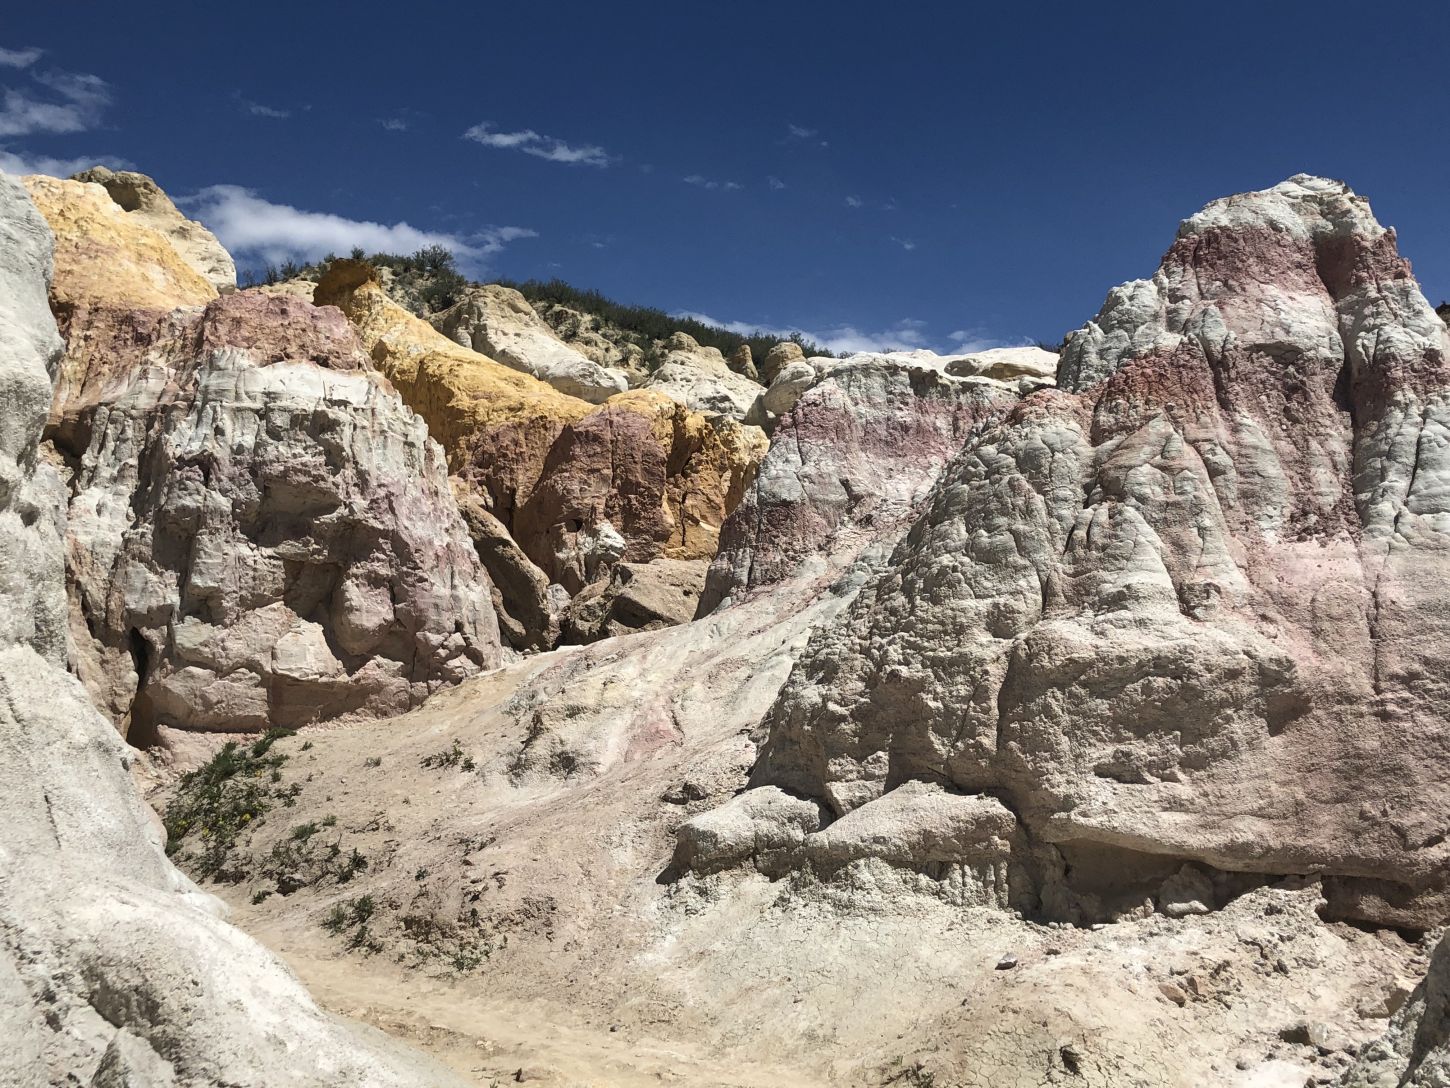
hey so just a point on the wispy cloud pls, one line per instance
(530, 142)
(905, 243)
(258, 109)
(18, 58)
(775, 182)
(22, 163)
(904, 335)
(853, 202)
(393, 124)
(58, 103)
(795, 134)
(967, 341)
(707, 183)
(50, 103)
(251, 226)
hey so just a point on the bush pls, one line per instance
(649, 323)
(219, 800)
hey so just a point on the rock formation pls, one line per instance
(261, 533)
(778, 357)
(498, 322)
(743, 363)
(700, 379)
(139, 196)
(1185, 609)
(564, 478)
(860, 443)
(1415, 1051)
(114, 968)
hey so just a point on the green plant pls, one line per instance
(449, 757)
(216, 802)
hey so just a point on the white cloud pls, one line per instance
(853, 202)
(74, 104)
(257, 109)
(707, 183)
(969, 340)
(543, 147)
(250, 225)
(905, 243)
(775, 182)
(905, 335)
(18, 58)
(12, 162)
(393, 124)
(800, 132)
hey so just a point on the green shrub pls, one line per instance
(216, 802)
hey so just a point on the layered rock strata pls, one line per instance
(577, 487)
(114, 968)
(261, 533)
(1188, 609)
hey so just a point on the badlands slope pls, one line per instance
(983, 720)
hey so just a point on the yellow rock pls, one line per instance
(104, 257)
(554, 468)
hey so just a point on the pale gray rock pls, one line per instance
(258, 540)
(700, 379)
(1192, 607)
(1414, 1052)
(114, 968)
(498, 322)
(31, 496)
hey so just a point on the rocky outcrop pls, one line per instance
(858, 446)
(1415, 1051)
(637, 597)
(743, 363)
(261, 533)
(104, 253)
(561, 476)
(498, 322)
(32, 499)
(139, 196)
(778, 357)
(700, 379)
(1190, 607)
(114, 969)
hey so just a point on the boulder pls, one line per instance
(139, 196)
(700, 379)
(637, 597)
(498, 322)
(785, 352)
(1191, 606)
(743, 363)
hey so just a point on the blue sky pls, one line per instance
(924, 174)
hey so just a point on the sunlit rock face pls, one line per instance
(261, 533)
(1192, 606)
(114, 968)
(578, 487)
